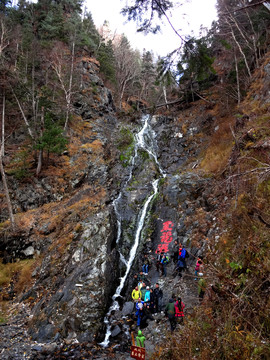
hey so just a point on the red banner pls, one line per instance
(165, 237)
(137, 352)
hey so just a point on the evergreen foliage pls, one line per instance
(5, 6)
(52, 140)
(105, 56)
(89, 35)
(196, 63)
(145, 12)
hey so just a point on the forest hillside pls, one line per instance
(102, 150)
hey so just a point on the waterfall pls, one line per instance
(145, 140)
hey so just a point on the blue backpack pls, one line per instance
(183, 253)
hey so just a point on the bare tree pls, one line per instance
(237, 80)
(40, 154)
(59, 65)
(239, 46)
(3, 123)
(30, 132)
(3, 175)
(4, 41)
(2, 171)
(127, 66)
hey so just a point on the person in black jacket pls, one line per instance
(152, 302)
(135, 281)
(175, 251)
(158, 260)
(158, 296)
(146, 315)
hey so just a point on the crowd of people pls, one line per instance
(148, 299)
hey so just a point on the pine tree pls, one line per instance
(146, 12)
(106, 58)
(52, 139)
(89, 37)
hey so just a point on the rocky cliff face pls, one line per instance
(65, 222)
(68, 225)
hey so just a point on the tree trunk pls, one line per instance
(240, 49)
(16, 57)
(70, 84)
(34, 108)
(237, 80)
(11, 216)
(24, 117)
(40, 161)
(165, 96)
(40, 154)
(122, 94)
(3, 125)
(254, 40)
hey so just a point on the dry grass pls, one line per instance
(216, 157)
(20, 272)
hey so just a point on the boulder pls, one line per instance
(128, 308)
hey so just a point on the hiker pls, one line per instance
(158, 259)
(182, 255)
(158, 296)
(135, 281)
(139, 311)
(152, 302)
(146, 315)
(179, 309)
(146, 265)
(140, 339)
(147, 295)
(175, 251)
(141, 277)
(164, 261)
(136, 294)
(170, 313)
(140, 285)
(179, 267)
(143, 291)
(201, 286)
(197, 267)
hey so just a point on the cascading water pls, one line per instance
(144, 140)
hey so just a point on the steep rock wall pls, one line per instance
(65, 222)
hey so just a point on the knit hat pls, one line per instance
(140, 333)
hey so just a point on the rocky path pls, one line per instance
(185, 287)
(16, 344)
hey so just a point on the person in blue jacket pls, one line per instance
(147, 295)
(179, 267)
(139, 311)
(183, 254)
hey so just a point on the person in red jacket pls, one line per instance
(179, 310)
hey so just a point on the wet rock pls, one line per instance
(37, 348)
(116, 331)
(128, 308)
(45, 333)
(85, 337)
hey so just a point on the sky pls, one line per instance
(197, 13)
